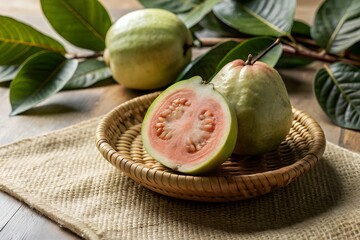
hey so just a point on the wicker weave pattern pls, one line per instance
(119, 141)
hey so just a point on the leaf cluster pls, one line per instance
(39, 66)
(334, 38)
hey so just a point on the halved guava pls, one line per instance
(190, 127)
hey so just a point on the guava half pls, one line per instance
(190, 127)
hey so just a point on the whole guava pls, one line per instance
(261, 102)
(147, 48)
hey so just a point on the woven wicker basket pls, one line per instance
(118, 138)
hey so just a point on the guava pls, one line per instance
(261, 102)
(190, 127)
(147, 48)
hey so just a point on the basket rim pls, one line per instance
(126, 164)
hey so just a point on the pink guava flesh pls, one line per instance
(186, 126)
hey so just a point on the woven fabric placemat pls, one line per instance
(63, 176)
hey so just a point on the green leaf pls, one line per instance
(205, 65)
(337, 25)
(7, 73)
(197, 13)
(87, 74)
(337, 89)
(39, 77)
(212, 23)
(84, 23)
(292, 61)
(258, 17)
(300, 28)
(253, 46)
(175, 6)
(18, 41)
(355, 49)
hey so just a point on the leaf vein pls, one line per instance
(83, 21)
(32, 44)
(338, 27)
(341, 90)
(261, 19)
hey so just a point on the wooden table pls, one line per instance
(70, 107)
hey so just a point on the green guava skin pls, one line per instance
(146, 49)
(224, 146)
(260, 99)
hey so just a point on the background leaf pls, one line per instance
(337, 25)
(7, 73)
(254, 46)
(18, 41)
(355, 49)
(337, 89)
(175, 6)
(258, 17)
(292, 61)
(39, 77)
(300, 28)
(205, 65)
(211, 23)
(197, 13)
(88, 73)
(83, 23)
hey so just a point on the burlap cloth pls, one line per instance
(63, 176)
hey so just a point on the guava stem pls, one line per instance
(251, 61)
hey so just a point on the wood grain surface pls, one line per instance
(18, 221)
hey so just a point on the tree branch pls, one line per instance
(292, 49)
(288, 48)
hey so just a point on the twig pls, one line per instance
(277, 41)
(87, 56)
(297, 50)
(306, 40)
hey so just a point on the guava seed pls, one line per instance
(198, 140)
(175, 111)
